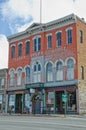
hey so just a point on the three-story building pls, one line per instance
(46, 62)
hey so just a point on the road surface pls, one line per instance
(41, 123)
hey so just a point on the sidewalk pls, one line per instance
(42, 115)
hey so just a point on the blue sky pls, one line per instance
(17, 15)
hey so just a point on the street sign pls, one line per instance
(64, 97)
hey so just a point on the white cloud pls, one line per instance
(12, 9)
(3, 52)
(19, 13)
(16, 13)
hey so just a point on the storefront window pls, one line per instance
(71, 106)
(0, 98)
(11, 103)
(50, 102)
(27, 101)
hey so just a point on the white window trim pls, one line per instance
(12, 45)
(27, 41)
(68, 59)
(50, 34)
(58, 31)
(69, 28)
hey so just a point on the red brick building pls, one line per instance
(47, 67)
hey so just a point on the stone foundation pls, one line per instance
(82, 97)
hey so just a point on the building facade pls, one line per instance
(46, 70)
(3, 89)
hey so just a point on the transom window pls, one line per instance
(70, 64)
(37, 67)
(37, 44)
(59, 65)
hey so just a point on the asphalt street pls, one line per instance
(41, 123)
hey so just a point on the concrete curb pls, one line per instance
(44, 115)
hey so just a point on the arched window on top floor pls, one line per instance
(37, 43)
(49, 72)
(59, 39)
(27, 47)
(13, 52)
(69, 36)
(70, 69)
(49, 41)
(59, 71)
(20, 49)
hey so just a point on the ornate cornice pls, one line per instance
(39, 28)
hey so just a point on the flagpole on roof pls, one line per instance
(40, 11)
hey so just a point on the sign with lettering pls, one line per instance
(64, 97)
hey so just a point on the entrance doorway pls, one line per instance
(18, 103)
(36, 104)
(59, 103)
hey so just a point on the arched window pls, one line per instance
(27, 47)
(20, 49)
(70, 69)
(37, 44)
(13, 52)
(27, 72)
(37, 72)
(12, 79)
(69, 36)
(49, 72)
(59, 71)
(49, 39)
(82, 72)
(59, 38)
(19, 76)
